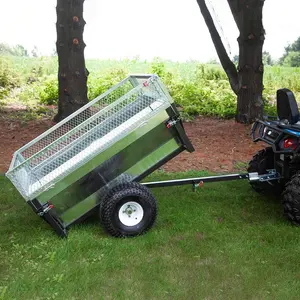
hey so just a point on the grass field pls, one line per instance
(221, 242)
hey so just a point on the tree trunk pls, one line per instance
(250, 68)
(72, 73)
(247, 81)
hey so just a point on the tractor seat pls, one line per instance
(287, 110)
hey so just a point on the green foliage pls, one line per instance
(292, 59)
(101, 82)
(209, 73)
(275, 78)
(5, 49)
(196, 88)
(158, 67)
(20, 50)
(270, 108)
(206, 91)
(205, 97)
(35, 74)
(213, 61)
(8, 78)
(48, 93)
(17, 50)
(42, 91)
(35, 51)
(294, 47)
(267, 59)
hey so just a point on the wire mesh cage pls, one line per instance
(65, 147)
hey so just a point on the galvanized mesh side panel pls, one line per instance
(53, 136)
(85, 135)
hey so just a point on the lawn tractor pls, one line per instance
(95, 160)
(282, 157)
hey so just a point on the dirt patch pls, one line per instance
(220, 145)
(14, 135)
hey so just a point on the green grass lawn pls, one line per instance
(221, 242)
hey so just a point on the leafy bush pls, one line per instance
(198, 88)
(35, 73)
(209, 73)
(43, 91)
(292, 59)
(204, 97)
(158, 67)
(8, 78)
(278, 77)
(48, 93)
(100, 83)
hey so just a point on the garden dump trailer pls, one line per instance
(95, 158)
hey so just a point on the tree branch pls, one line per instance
(235, 7)
(226, 63)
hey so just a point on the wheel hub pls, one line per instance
(131, 213)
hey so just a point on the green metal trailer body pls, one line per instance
(129, 159)
(121, 136)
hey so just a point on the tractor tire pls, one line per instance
(291, 200)
(128, 210)
(262, 161)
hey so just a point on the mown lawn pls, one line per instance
(221, 242)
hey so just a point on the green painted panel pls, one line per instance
(152, 159)
(105, 155)
(73, 213)
(79, 209)
(113, 168)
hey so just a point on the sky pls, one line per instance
(170, 29)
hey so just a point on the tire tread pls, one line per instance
(119, 192)
(291, 199)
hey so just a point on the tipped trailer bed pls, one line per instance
(94, 159)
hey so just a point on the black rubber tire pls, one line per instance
(110, 206)
(291, 200)
(262, 161)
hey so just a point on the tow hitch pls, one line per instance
(199, 181)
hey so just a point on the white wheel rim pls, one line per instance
(131, 213)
